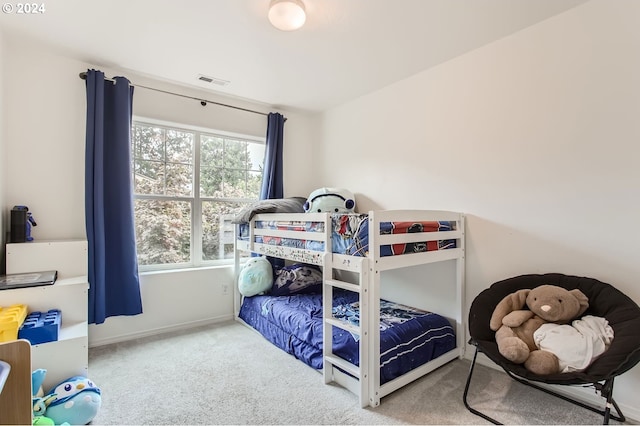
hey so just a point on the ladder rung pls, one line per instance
(343, 285)
(344, 325)
(354, 370)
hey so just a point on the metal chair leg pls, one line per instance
(605, 389)
(466, 392)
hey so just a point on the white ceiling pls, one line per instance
(346, 49)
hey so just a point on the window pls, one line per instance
(187, 185)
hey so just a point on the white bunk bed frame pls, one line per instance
(364, 380)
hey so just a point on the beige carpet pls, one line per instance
(228, 374)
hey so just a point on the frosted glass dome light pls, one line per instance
(287, 15)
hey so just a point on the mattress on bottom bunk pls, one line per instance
(409, 337)
(350, 235)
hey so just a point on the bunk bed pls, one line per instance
(362, 342)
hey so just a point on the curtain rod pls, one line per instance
(203, 102)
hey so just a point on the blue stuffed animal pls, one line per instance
(256, 277)
(75, 401)
(330, 200)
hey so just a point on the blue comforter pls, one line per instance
(408, 337)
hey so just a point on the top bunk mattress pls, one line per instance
(350, 234)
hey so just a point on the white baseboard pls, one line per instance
(160, 330)
(584, 395)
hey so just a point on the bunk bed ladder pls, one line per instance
(335, 369)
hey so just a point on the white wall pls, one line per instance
(534, 136)
(44, 169)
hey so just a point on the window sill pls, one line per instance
(185, 269)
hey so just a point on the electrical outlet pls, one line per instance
(225, 289)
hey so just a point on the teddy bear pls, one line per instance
(515, 325)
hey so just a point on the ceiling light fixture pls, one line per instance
(287, 15)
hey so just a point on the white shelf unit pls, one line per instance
(68, 356)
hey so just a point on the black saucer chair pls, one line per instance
(622, 313)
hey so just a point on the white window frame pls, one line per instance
(196, 199)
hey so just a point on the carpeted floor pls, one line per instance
(228, 374)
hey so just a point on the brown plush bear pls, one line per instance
(514, 325)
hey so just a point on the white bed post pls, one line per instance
(365, 334)
(460, 290)
(327, 305)
(374, 310)
(236, 272)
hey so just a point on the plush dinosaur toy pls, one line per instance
(514, 325)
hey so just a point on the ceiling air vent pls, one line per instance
(213, 80)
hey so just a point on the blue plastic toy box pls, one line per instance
(41, 327)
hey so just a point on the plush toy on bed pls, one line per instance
(515, 326)
(256, 277)
(330, 200)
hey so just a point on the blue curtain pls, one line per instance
(114, 287)
(272, 185)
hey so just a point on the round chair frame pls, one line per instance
(622, 313)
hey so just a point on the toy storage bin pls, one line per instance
(41, 327)
(11, 318)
